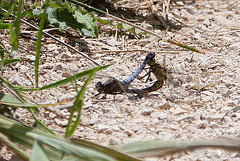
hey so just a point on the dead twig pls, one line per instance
(135, 50)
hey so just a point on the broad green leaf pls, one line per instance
(37, 12)
(57, 147)
(113, 152)
(89, 20)
(15, 149)
(53, 146)
(56, 16)
(64, 16)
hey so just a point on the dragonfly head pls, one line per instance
(151, 61)
(100, 86)
(151, 55)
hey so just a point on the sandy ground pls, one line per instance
(178, 111)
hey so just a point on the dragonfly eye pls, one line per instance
(99, 86)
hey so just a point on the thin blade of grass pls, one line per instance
(77, 107)
(5, 62)
(68, 80)
(13, 37)
(4, 25)
(40, 123)
(38, 44)
(17, 22)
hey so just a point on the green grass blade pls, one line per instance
(6, 15)
(4, 25)
(38, 44)
(117, 154)
(77, 107)
(17, 22)
(40, 123)
(13, 37)
(5, 62)
(80, 152)
(69, 79)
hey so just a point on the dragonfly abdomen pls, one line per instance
(160, 73)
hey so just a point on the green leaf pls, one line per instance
(56, 16)
(89, 20)
(9, 7)
(38, 152)
(37, 12)
(11, 88)
(63, 17)
(29, 13)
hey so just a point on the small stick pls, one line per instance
(135, 50)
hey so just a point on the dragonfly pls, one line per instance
(160, 73)
(114, 86)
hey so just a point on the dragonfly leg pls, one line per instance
(96, 95)
(147, 74)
